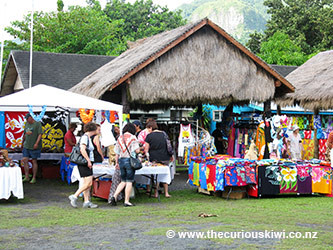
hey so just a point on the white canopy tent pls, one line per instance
(41, 95)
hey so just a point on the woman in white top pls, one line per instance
(87, 151)
(295, 144)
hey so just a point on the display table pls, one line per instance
(106, 171)
(43, 156)
(11, 182)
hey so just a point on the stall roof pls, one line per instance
(41, 94)
(192, 64)
(314, 83)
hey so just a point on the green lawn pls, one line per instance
(302, 214)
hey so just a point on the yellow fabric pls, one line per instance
(260, 141)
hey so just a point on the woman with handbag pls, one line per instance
(127, 146)
(87, 151)
(159, 149)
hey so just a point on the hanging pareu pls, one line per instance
(86, 117)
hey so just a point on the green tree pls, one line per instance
(279, 49)
(309, 23)
(254, 43)
(143, 18)
(83, 30)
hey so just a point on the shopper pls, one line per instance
(295, 144)
(70, 139)
(126, 143)
(32, 145)
(87, 150)
(96, 139)
(156, 148)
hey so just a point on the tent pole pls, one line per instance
(31, 41)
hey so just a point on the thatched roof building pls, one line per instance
(193, 64)
(314, 83)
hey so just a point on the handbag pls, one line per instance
(76, 157)
(168, 143)
(134, 162)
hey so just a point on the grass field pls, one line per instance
(180, 213)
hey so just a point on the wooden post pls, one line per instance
(199, 113)
(278, 110)
(267, 109)
(124, 99)
(316, 141)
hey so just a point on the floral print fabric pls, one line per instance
(14, 128)
(288, 182)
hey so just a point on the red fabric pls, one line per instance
(322, 149)
(69, 136)
(14, 128)
(307, 134)
(211, 177)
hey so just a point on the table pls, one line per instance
(103, 169)
(11, 182)
(43, 156)
(155, 174)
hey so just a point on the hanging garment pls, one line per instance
(196, 177)
(288, 182)
(308, 152)
(107, 135)
(190, 173)
(268, 180)
(251, 175)
(241, 176)
(317, 122)
(2, 130)
(322, 180)
(260, 140)
(202, 176)
(185, 138)
(211, 177)
(14, 128)
(322, 149)
(54, 130)
(304, 180)
(220, 180)
(231, 176)
(231, 142)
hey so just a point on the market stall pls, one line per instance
(44, 99)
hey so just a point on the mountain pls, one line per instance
(238, 17)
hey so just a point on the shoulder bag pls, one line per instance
(168, 143)
(135, 163)
(76, 157)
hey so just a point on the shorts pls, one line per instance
(85, 171)
(126, 171)
(31, 153)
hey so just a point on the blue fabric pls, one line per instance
(202, 176)
(220, 181)
(190, 173)
(2, 130)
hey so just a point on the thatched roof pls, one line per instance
(313, 82)
(195, 63)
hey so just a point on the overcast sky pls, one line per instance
(11, 10)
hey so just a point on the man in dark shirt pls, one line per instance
(217, 134)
